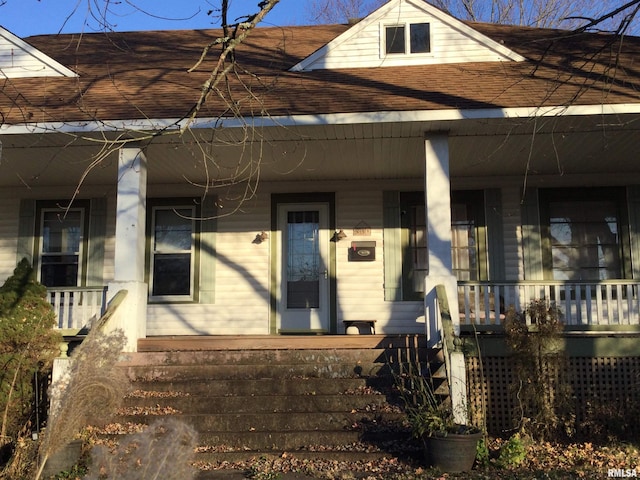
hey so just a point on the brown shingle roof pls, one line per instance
(136, 75)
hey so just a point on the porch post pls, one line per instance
(437, 188)
(129, 264)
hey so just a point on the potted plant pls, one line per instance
(449, 445)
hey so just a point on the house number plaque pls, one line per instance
(362, 252)
(362, 230)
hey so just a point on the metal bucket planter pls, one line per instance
(453, 452)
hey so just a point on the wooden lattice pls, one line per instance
(601, 388)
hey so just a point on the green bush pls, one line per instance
(28, 344)
(512, 453)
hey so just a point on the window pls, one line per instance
(395, 42)
(582, 234)
(468, 243)
(414, 240)
(172, 252)
(61, 235)
(406, 232)
(418, 41)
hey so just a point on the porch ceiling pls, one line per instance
(478, 148)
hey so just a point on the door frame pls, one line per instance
(301, 198)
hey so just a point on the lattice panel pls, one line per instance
(595, 382)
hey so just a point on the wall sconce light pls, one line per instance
(261, 237)
(340, 235)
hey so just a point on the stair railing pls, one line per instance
(453, 359)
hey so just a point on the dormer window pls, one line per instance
(398, 42)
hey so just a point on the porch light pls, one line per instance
(261, 237)
(337, 236)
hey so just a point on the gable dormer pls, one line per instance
(18, 59)
(403, 33)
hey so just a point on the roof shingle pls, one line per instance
(137, 75)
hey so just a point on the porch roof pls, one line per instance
(142, 75)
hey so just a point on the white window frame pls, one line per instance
(407, 40)
(80, 253)
(192, 253)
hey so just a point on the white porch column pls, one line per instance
(437, 188)
(129, 262)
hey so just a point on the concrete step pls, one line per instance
(260, 403)
(272, 422)
(373, 436)
(279, 342)
(313, 402)
(261, 386)
(272, 357)
(242, 372)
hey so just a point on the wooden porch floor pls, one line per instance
(277, 342)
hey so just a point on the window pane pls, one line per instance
(419, 38)
(59, 270)
(172, 274)
(61, 233)
(173, 230)
(585, 244)
(418, 246)
(395, 39)
(463, 242)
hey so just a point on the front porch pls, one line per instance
(614, 303)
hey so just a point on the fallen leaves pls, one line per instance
(147, 410)
(156, 394)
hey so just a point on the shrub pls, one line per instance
(542, 390)
(28, 344)
(512, 453)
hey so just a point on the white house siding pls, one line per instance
(9, 217)
(448, 43)
(19, 59)
(242, 286)
(16, 62)
(360, 285)
(242, 300)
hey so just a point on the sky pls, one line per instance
(34, 17)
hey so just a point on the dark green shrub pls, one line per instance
(28, 344)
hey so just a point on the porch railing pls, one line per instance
(77, 307)
(611, 302)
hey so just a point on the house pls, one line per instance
(338, 175)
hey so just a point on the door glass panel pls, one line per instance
(303, 259)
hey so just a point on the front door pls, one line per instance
(303, 304)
